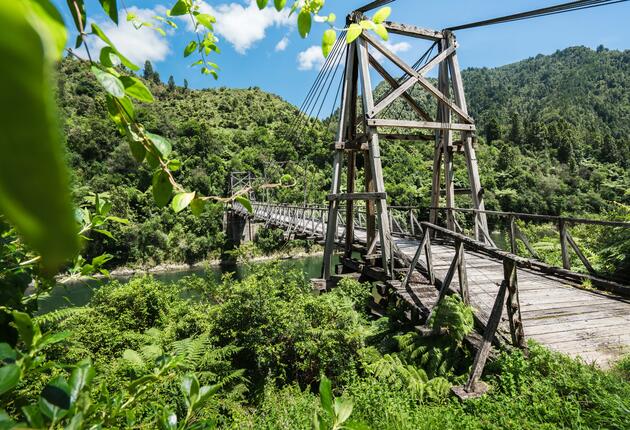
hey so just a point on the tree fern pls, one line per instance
(57, 316)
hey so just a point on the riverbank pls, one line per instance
(165, 268)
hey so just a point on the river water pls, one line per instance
(79, 293)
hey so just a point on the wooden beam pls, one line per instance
(421, 79)
(394, 84)
(413, 31)
(356, 196)
(376, 122)
(408, 137)
(410, 81)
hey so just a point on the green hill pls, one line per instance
(554, 137)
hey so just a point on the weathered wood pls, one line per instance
(357, 196)
(393, 82)
(412, 30)
(414, 260)
(461, 272)
(428, 86)
(525, 241)
(401, 123)
(491, 328)
(374, 153)
(409, 137)
(562, 228)
(580, 255)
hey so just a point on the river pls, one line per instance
(78, 293)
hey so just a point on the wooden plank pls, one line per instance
(578, 324)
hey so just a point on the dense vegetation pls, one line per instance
(262, 346)
(553, 139)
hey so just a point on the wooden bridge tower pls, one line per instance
(450, 128)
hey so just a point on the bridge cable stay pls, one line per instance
(546, 11)
(307, 98)
(328, 73)
(303, 115)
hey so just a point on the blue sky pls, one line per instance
(263, 48)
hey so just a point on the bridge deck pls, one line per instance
(578, 322)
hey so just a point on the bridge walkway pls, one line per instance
(555, 312)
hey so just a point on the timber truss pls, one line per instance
(451, 129)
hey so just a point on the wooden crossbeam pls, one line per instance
(410, 81)
(394, 84)
(357, 196)
(399, 136)
(421, 79)
(376, 122)
(413, 31)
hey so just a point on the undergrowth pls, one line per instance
(266, 342)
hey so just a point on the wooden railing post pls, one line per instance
(513, 248)
(562, 228)
(461, 272)
(513, 304)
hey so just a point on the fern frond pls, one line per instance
(58, 315)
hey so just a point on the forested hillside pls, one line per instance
(554, 137)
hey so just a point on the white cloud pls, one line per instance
(138, 45)
(311, 58)
(244, 25)
(282, 45)
(396, 48)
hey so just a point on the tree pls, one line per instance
(185, 84)
(171, 83)
(493, 130)
(148, 71)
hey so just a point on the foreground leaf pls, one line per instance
(181, 201)
(109, 82)
(9, 377)
(328, 40)
(161, 188)
(245, 202)
(304, 23)
(34, 192)
(135, 88)
(353, 32)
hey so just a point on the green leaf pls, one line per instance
(325, 395)
(174, 165)
(168, 420)
(245, 202)
(190, 48)
(279, 4)
(109, 82)
(111, 9)
(81, 376)
(261, 4)
(381, 31)
(51, 26)
(7, 354)
(9, 377)
(101, 259)
(181, 201)
(108, 57)
(304, 23)
(25, 327)
(52, 338)
(33, 416)
(328, 40)
(197, 206)
(190, 388)
(136, 89)
(54, 401)
(118, 220)
(138, 151)
(133, 357)
(382, 14)
(38, 204)
(208, 390)
(205, 20)
(161, 188)
(353, 32)
(343, 410)
(331, 18)
(161, 143)
(98, 32)
(180, 8)
(367, 25)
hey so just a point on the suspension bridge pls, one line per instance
(418, 256)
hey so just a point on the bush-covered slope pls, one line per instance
(554, 137)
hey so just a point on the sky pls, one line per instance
(264, 49)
